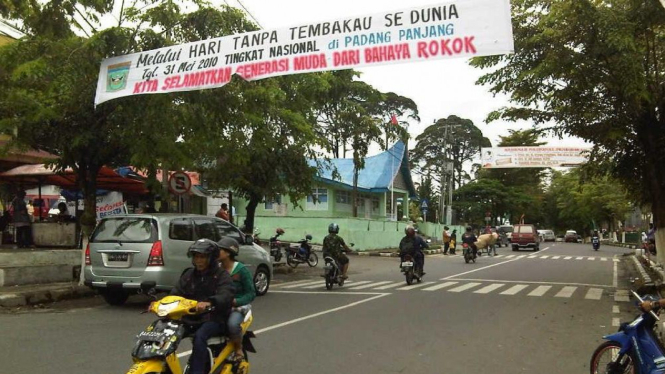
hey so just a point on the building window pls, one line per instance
(343, 197)
(270, 203)
(318, 200)
(375, 205)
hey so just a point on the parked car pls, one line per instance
(135, 252)
(525, 236)
(505, 231)
(570, 237)
(546, 235)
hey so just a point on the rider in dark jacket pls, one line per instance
(211, 286)
(470, 238)
(413, 245)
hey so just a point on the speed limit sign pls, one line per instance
(180, 182)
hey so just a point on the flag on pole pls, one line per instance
(393, 120)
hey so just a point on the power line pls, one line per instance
(250, 13)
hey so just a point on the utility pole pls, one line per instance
(442, 198)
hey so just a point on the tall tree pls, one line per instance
(594, 69)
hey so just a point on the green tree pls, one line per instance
(594, 70)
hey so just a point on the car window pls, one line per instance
(226, 229)
(181, 229)
(526, 229)
(205, 229)
(571, 233)
(126, 230)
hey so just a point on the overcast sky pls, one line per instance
(440, 88)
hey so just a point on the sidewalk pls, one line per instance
(33, 294)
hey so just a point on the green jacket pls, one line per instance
(244, 284)
(333, 246)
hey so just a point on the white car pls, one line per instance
(546, 235)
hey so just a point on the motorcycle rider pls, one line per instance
(211, 286)
(595, 238)
(413, 245)
(470, 238)
(334, 246)
(244, 291)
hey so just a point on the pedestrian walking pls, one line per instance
(21, 220)
(453, 242)
(446, 240)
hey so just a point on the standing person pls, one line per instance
(334, 246)
(245, 291)
(223, 212)
(21, 220)
(31, 211)
(453, 242)
(211, 286)
(446, 239)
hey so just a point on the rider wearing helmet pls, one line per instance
(245, 291)
(334, 246)
(211, 286)
(413, 244)
(470, 238)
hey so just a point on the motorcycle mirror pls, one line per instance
(249, 239)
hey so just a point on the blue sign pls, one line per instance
(424, 204)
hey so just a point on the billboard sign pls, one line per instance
(532, 157)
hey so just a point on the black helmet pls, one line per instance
(230, 245)
(333, 228)
(308, 237)
(469, 228)
(205, 246)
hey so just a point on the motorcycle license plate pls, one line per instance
(404, 264)
(118, 257)
(151, 336)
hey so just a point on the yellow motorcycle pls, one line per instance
(155, 348)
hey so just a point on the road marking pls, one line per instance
(368, 285)
(566, 292)
(591, 258)
(304, 318)
(534, 282)
(301, 284)
(317, 285)
(546, 248)
(621, 296)
(439, 286)
(389, 286)
(603, 259)
(567, 258)
(580, 258)
(594, 294)
(616, 322)
(521, 256)
(616, 260)
(539, 291)
(514, 289)
(556, 257)
(544, 257)
(415, 286)
(615, 276)
(482, 268)
(615, 309)
(532, 256)
(490, 288)
(510, 256)
(464, 287)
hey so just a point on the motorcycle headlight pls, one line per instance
(164, 309)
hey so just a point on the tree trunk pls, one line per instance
(354, 198)
(88, 182)
(251, 211)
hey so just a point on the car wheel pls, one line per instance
(261, 281)
(115, 297)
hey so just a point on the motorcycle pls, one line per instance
(411, 270)
(155, 348)
(332, 272)
(633, 349)
(595, 242)
(467, 252)
(276, 245)
(302, 254)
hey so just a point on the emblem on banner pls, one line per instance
(116, 77)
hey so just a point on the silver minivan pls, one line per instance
(137, 252)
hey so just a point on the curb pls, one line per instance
(643, 272)
(49, 293)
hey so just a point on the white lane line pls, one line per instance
(521, 256)
(566, 292)
(580, 258)
(546, 248)
(591, 258)
(539, 291)
(532, 256)
(556, 257)
(594, 294)
(396, 284)
(370, 285)
(621, 296)
(534, 282)
(464, 287)
(283, 324)
(318, 285)
(514, 289)
(616, 322)
(439, 286)
(415, 286)
(544, 257)
(490, 288)
(615, 309)
(603, 259)
(300, 284)
(510, 256)
(567, 258)
(479, 269)
(615, 276)
(616, 260)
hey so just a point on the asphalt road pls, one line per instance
(519, 312)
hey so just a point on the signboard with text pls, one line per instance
(452, 29)
(532, 157)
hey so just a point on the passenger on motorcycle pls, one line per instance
(211, 286)
(413, 245)
(334, 246)
(245, 291)
(470, 238)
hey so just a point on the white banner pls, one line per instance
(532, 157)
(465, 28)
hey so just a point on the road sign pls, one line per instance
(424, 204)
(180, 183)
